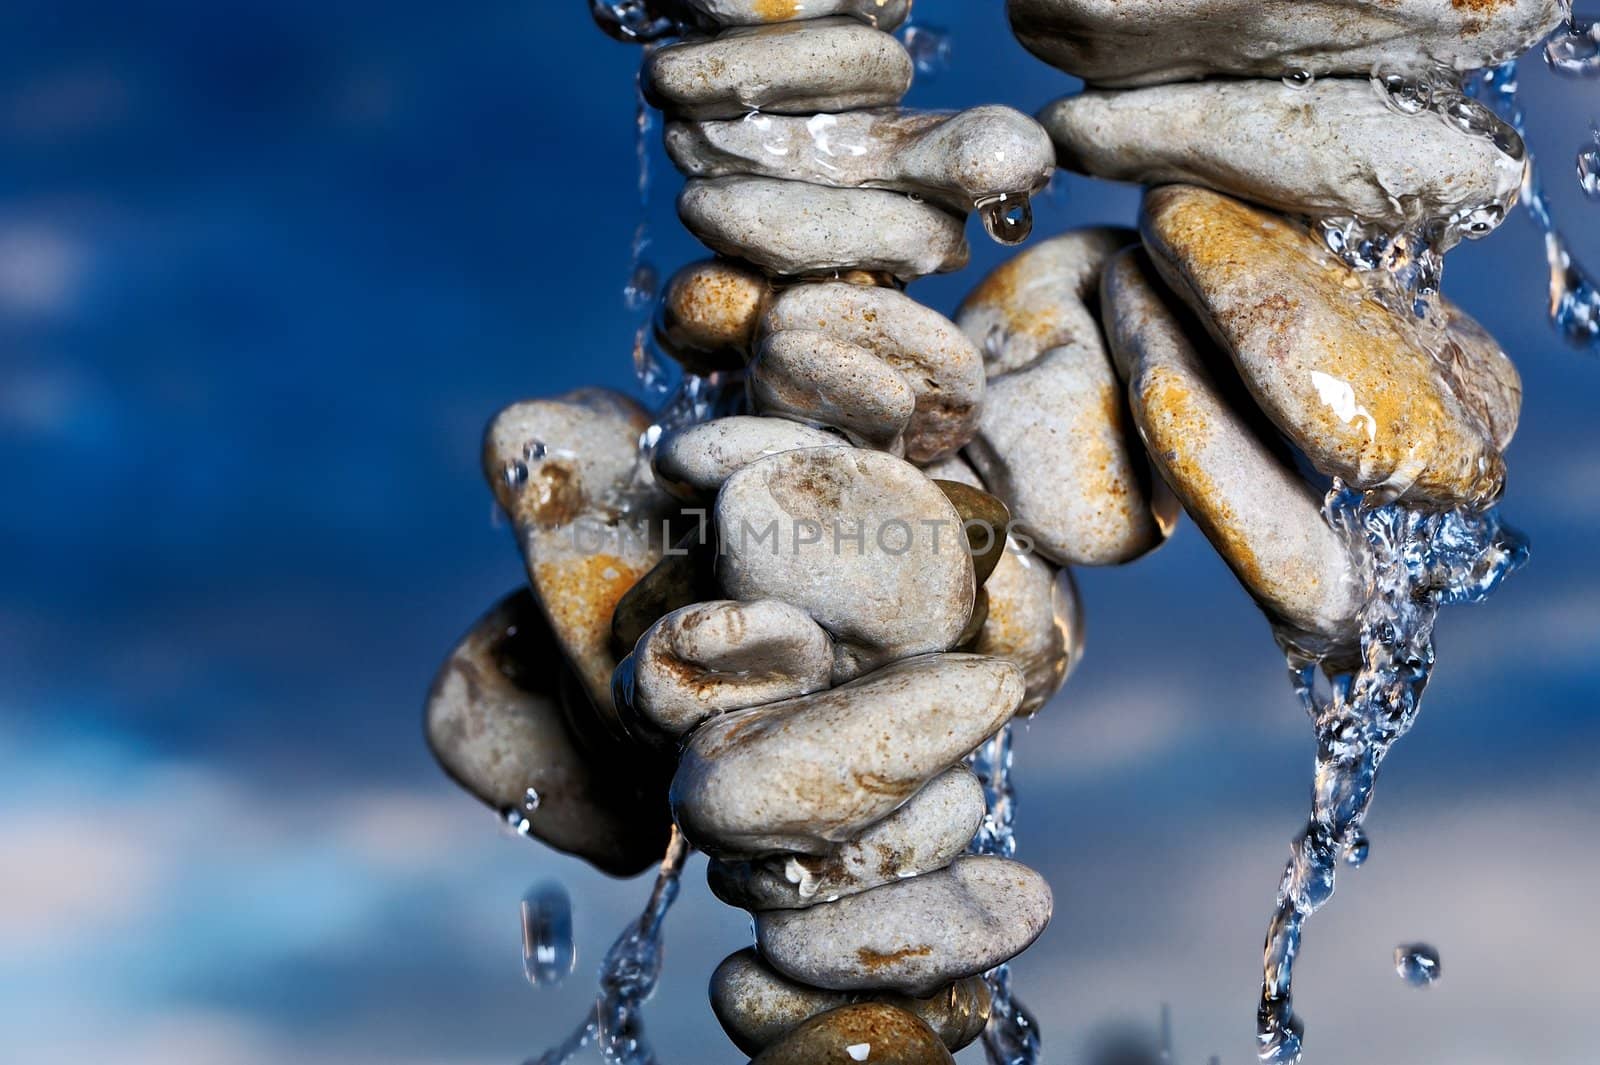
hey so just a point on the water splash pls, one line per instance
(548, 952)
(1575, 51)
(1007, 218)
(627, 978)
(929, 47)
(1417, 964)
(1413, 563)
(1012, 1035)
(1574, 296)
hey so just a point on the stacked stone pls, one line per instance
(807, 615)
(1258, 363)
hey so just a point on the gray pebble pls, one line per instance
(693, 462)
(914, 936)
(820, 380)
(1035, 619)
(808, 773)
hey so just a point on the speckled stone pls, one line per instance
(808, 773)
(1054, 442)
(793, 228)
(723, 655)
(929, 832)
(860, 539)
(709, 313)
(957, 160)
(886, 15)
(872, 1032)
(1350, 381)
(915, 935)
(693, 462)
(496, 723)
(817, 379)
(588, 517)
(1336, 149)
(794, 68)
(1035, 619)
(1237, 485)
(757, 1007)
(1119, 43)
(936, 362)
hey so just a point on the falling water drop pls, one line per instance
(1589, 172)
(1007, 218)
(1417, 964)
(1299, 79)
(929, 48)
(1575, 53)
(1356, 849)
(548, 952)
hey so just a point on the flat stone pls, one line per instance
(693, 462)
(1054, 441)
(587, 515)
(916, 935)
(1336, 149)
(886, 15)
(794, 68)
(1035, 620)
(985, 521)
(1235, 481)
(709, 658)
(1040, 299)
(817, 379)
(956, 159)
(1353, 383)
(860, 539)
(808, 773)
(1117, 43)
(496, 723)
(866, 1031)
(757, 1007)
(709, 314)
(793, 228)
(938, 364)
(929, 832)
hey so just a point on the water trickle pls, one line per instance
(1574, 295)
(1575, 51)
(1299, 79)
(929, 48)
(1012, 1035)
(1413, 563)
(1007, 218)
(651, 366)
(627, 978)
(548, 952)
(1417, 964)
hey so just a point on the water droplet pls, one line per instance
(929, 48)
(1299, 79)
(1356, 849)
(514, 474)
(1589, 172)
(1403, 93)
(548, 952)
(1007, 218)
(1417, 964)
(516, 821)
(1576, 52)
(530, 800)
(635, 21)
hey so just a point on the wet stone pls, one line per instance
(873, 1032)
(1236, 483)
(794, 228)
(957, 160)
(932, 359)
(915, 935)
(757, 1007)
(817, 379)
(886, 15)
(587, 515)
(1035, 620)
(1054, 441)
(496, 724)
(1355, 385)
(724, 655)
(808, 773)
(709, 315)
(863, 541)
(984, 520)
(693, 462)
(686, 574)
(1337, 149)
(1117, 43)
(929, 832)
(832, 64)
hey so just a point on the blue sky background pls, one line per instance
(266, 270)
